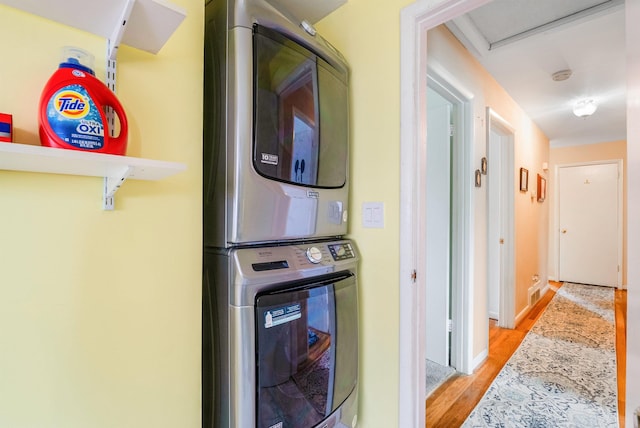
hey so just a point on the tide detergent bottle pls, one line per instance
(72, 108)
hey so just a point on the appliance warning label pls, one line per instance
(269, 159)
(281, 315)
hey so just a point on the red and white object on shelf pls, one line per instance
(6, 127)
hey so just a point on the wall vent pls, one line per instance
(534, 295)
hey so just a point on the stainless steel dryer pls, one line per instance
(276, 128)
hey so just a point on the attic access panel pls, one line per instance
(502, 21)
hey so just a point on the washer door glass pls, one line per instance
(307, 352)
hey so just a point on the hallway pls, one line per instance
(450, 404)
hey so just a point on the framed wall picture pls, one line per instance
(542, 188)
(524, 179)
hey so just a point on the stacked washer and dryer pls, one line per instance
(280, 292)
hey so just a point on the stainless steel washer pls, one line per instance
(280, 336)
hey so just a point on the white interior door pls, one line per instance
(588, 202)
(500, 219)
(494, 255)
(438, 226)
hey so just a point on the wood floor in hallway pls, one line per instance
(451, 404)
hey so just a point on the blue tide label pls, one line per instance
(5, 130)
(75, 119)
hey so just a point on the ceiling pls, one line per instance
(523, 42)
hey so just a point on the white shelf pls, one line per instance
(142, 24)
(115, 169)
(149, 26)
(24, 157)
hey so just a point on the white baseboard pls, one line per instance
(522, 314)
(479, 359)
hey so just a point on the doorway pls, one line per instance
(447, 213)
(446, 255)
(440, 122)
(416, 19)
(500, 221)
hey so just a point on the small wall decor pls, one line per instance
(478, 178)
(483, 166)
(524, 179)
(542, 188)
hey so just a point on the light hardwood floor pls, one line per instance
(452, 403)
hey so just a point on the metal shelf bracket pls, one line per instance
(113, 43)
(111, 186)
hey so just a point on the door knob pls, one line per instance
(564, 230)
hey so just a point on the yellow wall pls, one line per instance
(368, 34)
(100, 311)
(583, 154)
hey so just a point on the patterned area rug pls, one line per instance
(564, 372)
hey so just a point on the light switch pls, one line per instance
(373, 215)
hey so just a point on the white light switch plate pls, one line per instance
(373, 215)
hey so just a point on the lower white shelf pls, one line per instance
(114, 168)
(23, 157)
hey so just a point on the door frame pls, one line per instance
(415, 20)
(556, 215)
(504, 229)
(437, 269)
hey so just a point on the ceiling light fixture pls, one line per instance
(584, 108)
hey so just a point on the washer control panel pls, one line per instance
(297, 258)
(341, 251)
